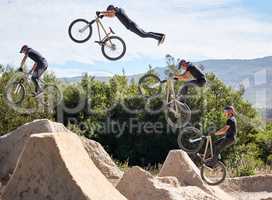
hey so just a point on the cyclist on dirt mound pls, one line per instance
(39, 67)
(229, 131)
(120, 13)
(191, 70)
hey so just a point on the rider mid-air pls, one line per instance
(39, 67)
(191, 70)
(120, 13)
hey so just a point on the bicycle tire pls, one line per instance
(7, 95)
(178, 117)
(124, 48)
(45, 96)
(222, 166)
(71, 35)
(190, 133)
(141, 85)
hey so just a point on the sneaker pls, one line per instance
(161, 41)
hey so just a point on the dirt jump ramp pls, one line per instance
(180, 165)
(55, 166)
(12, 144)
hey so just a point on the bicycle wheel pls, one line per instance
(15, 93)
(177, 114)
(113, 48)
(215, 175)
(51, 96)
(80, 30)
(190, 140)
(150, 85)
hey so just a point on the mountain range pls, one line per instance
(254, 74)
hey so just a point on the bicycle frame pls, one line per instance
(26, 78)
(100, 27)
(208, 143)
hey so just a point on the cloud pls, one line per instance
(195, 29)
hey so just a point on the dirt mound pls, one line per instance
(138, 184)
(261, 183)
(179, 164)
(56, 166)
(249, 187)
(102, 160)
(11, 146)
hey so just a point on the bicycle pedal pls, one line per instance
(98, 42)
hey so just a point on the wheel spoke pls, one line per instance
(113, 48)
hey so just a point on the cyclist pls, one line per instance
(229, 131)
(39, 67)
(191, 70)
(120, 13)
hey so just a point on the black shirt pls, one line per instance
(36, 57)
(123, 18)
(196, 72)
(231, 133)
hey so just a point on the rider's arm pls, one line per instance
(108, 13)
(33, 68)
(223, 130)
(184, 77)
(23, 61)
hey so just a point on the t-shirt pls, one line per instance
(196, 72)
(231, 133)
(36, 57)
(123, 18)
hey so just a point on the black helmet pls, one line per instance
(230, 108)
(23, 48)
(181, 62)
(110, 7)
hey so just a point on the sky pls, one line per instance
(195, 30)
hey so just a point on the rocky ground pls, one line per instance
(42, 160)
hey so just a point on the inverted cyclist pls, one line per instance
(228, 131)
(39, 67)
(192, 75)
(120, 13)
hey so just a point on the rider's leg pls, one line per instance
(220, 146)
(36, 75)
(135, 29)
(193, 83)
(34, 79)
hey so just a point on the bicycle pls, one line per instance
(178, 114)
(80, 31)
(18, 90)
(191, 140)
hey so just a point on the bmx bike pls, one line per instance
(112, 47)
(22, 87)
(191, 140)
(178, 113)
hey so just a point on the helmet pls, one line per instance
(181, 62)
(23, 48)
(230, 108)
(110, 7)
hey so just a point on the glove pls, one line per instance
(176, 78)
(101, 16)
(20, 69)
